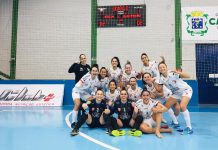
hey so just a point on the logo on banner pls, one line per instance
(22, 95)
(197, 23)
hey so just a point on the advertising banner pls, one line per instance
(31, 94)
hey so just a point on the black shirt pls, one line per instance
(124, 110)
(96, 109)
(79, 70)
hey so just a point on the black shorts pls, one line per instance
(95, 123)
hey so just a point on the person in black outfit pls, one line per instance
(127, 115)
(80, 69)
(92, 113)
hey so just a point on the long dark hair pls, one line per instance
(144, 54)
(124, 89)
(94, 66)
(114, 83)
(144, 90)
(118, 61)
(99, 76)
(143, 77)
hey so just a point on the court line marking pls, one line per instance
(67, 120)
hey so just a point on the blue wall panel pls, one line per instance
(69, 84)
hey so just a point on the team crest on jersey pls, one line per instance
(81, 69)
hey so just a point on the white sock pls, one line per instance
(172, 116)
(187, 118)
(74, 116)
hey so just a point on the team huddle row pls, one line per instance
(115, 91)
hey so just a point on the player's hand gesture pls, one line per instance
(107, 111)
(85, 106)
(136, 110)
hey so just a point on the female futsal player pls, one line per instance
(162, 93)
(84, 89)
(151, 111)
(149, 66)
(134, 91)
(112, 94)
(80, 69)
(115, 71)
(103, 79)
(127, 74)
(92, 113)
(127, 117)
(180, 91)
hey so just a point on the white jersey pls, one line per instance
(87, 84)
(146, 109)
(134, 95)
(112, 96)
(152, 89)
(174, 82)
(103, 84)
(115, 74)
(152, 68)
(125, 77)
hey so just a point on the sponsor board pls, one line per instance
(200, 24)
(31, 94)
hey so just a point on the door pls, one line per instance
(207, 73)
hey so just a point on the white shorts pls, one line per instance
(178, 95)
(80, 95)
(150, 122)
(166, 92)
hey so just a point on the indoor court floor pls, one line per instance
(47, 128)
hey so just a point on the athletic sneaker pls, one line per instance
(107, 131)
(73, 125)
(187, 130)
(174, 125)
(74, 132)
(134, 132)
(118, 132)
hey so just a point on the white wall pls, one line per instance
(5, 35)
(188, 49)
(51, 35)
(156, 39)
